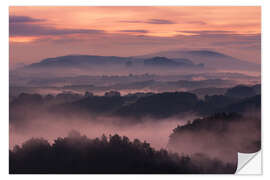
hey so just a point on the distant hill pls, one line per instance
(163, 61)
(247, 104)
(79, 60)
(157, 105)
(241, 91)
(160, 105)
(211, 59)
(84, 61)
(210, 91)
(74, 65)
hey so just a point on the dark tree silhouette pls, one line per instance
(79, 154)
(221, 135)
(241, 91)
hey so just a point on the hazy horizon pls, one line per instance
(132, 31)
(173, 89)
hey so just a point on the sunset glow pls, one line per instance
(133, 89)
(46, 27)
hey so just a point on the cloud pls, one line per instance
(94, 41)
(209, 32)
(28, 29)
(131, 21)
(151, 21)
(23, 19)
(159, 21)
(135, 30)
(134, 45)
(162, 21)
(197, 22)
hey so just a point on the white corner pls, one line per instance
(249, 163)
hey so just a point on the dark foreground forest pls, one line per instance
(114, 155)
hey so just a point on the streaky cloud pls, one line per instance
(150, 21)
(24, 19)
(135, 30)
(25, 29)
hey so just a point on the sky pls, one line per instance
(37, 32)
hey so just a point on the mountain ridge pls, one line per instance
(209, 58)
(182, 58)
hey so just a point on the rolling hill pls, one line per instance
(210, 59)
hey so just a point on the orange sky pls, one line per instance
(60, 24)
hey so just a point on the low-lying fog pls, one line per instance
(155, 132)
